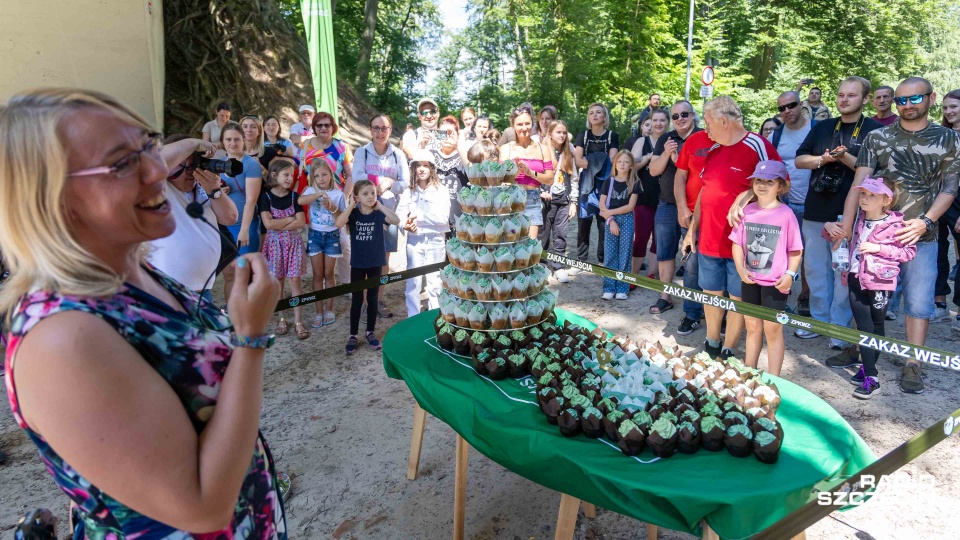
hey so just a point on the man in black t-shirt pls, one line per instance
(831, 150)
(666, 228)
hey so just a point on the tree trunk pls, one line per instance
(521, 61)
(366, 44)
(243, 52)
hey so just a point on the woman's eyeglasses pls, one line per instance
(324, 125)
(380, 129)
(915, 99)
(791, 106)
(128, 164)
(684, 114)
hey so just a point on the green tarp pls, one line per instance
(737, 497)
(318, 25)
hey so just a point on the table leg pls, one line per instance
(567, 519)
(708, 533)
(589, 510)
(416, 443)
(460, 488)
(652, 532)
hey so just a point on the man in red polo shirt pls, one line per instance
(726, 170)
(686, 189)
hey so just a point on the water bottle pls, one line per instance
(841, 256)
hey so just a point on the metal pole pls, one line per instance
(689, 51)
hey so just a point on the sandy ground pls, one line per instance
(341, 429)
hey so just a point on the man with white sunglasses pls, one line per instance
(921, 157)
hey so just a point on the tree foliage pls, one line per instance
(571, 53)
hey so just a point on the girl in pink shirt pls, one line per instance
(767, 249)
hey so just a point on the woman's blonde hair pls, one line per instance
(315, 166)
(566, 156)
(606, 115)
(256, 120)
(631, 176)
(36, 237)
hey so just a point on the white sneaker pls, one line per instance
(573, 271)
(621, 296)
(940, 315)
(607, 296)
(891, 316)
(956, 325)
(561, 276)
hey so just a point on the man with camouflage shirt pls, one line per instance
(922, 158)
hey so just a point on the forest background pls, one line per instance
(570, 53)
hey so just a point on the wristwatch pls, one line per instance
(794, 275)
(259, 342)
(931, 225)
(215, 194)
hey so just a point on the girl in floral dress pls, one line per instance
(282, 215)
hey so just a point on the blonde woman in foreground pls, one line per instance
(142, 400)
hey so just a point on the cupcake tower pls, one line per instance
(495, 281)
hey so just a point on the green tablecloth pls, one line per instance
(737, 496)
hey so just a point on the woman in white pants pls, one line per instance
(424, 212)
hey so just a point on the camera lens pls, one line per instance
(230, 167)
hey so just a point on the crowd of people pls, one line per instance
(701, 191)
(859, 210)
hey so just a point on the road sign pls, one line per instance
(706, 92)
(706, 77)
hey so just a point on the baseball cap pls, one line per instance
(424, 101)
(770, 169)
(423, 155)
(306, 108)
(875, 185)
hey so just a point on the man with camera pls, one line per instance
(426, 136)
(923, 159)
(189, 182)
(830, 150)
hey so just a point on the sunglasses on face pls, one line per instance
(915, 99)
(684, 114)
(324, 126)
(428, 112)
(793, 105)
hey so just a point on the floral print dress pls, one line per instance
(191, 351)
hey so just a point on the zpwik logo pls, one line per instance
(294, 302)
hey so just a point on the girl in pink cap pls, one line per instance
(875, 257)
(767, 249)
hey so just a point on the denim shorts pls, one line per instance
(919, 278)
(534, 210)
(327, 243)
(666, 230)
(718, 274)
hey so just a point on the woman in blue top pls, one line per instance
(244, 192)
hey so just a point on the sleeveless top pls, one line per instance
(192, 356)
(537, 166)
